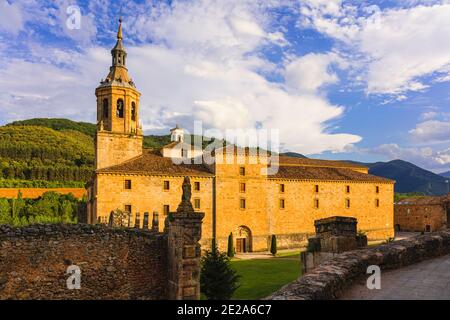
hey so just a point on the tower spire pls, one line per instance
(119, 32)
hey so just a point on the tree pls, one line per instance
(230, 251)
(218, 281)
(273, 245)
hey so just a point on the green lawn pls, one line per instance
(261, 277)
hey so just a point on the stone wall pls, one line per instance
(332, 277)
(115, 263)
(419, 218)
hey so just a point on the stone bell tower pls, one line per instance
(119, 133)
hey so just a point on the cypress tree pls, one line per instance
(273, 245)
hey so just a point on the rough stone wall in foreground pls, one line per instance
(332, 277)
(115, 263)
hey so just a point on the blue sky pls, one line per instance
(360, 80)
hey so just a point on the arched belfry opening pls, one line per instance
(243, 239)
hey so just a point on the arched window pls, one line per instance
(105, 108)
(133, 111)
(119, 111)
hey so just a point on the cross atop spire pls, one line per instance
(119, 33)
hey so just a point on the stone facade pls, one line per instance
(330, 279)
(422, 214)
(235, 191)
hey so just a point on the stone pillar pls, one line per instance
(145, 225)
(184, 233)
(155, 221)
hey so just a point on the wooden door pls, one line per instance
(240, 245)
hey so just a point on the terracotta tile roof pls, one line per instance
(326, 173)
(425, 200)
(151, 162)
(285, 160)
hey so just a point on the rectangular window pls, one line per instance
(282, 203)
(377, 203)
(377, 189)
(183, 153)
(242, 187)
(347, 189)
(166, 209)
(242, 203)
(197, 186)
(128, 208)
(316, 188)
(166, 185)
(347, 203)
(242, 171)
(282, 188)
(197, 203)
(316, 203)
(127, 184)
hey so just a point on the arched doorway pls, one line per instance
(243, 240)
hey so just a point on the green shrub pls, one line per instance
(218, 281)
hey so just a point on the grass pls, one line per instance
(261, 277)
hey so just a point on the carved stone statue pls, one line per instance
(186, 189)
(186, 205)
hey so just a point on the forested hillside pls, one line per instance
(42, 154)
(51, 153)
(58, 124)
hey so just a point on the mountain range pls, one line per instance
(59, 152)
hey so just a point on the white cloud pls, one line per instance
(428, 115)
(11, 18)
(312, 71)
(399, 45)
(431, 131)
(204, 64)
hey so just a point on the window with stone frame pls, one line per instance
(127, 184)
(282, 203)
(347, 203)
(377, 203)
(316, 188)
(347, 189)
(166, 185)
(282, 188)
(105, 108)
(242, 171)
(242, 203)
(196, 186)
(166, 209)
(316, 203)
(242, 187)
(196, 203)
(127, 208)
(133, 111)
(119, 111)
(377, 189)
